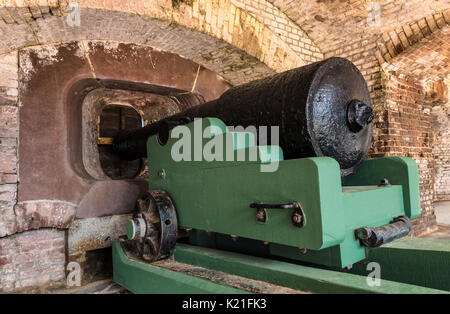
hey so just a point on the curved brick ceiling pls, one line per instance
(329, 23)
(233, 64)
(428, 60)
(218, 35)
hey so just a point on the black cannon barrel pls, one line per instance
(322, 109)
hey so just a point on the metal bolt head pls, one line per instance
(234, 237)
(303, 250)
(358, 115)
(162, 174)
(261, 215)
(297, 218)
(384, 182)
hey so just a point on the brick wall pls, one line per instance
(9, 131)
(440, 92)
(31, 258)
(406, 131)
(398, 40)
(335, 23)
(441, 152)
(166, 21)
(266, 13)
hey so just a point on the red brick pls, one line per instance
(9, 125)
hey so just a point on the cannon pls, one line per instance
(322, 204)
(322, 109)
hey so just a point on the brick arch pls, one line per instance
(427, 60)
(393, 43)
(333, 24)
(217, 35)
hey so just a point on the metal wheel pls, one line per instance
(152, 232)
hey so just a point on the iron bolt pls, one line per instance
(162, 174)
(234, 237)
(384, 182)
(349, 267)
(359, 115)
(297, 218)
(261, 215)
(303, 250)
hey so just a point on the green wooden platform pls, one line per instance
(139, 277)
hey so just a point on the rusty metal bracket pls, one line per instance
(297, 217)
(375, 237)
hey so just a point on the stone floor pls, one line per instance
(442, 233)
(442, 211)
(106, 286)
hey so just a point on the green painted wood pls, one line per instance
(422, 262)
(215, 195)
(143, 278)
(399, 171)
(289, 275)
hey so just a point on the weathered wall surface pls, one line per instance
(441, 152)
(9, 133)
(176, 26)
(336, 24)
(406, 131)
(281, 25)
(31, 259)
(441, 140)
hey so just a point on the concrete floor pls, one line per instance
(107, 286)
(442, 211)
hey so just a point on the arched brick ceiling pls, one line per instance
(428, 60)
(216, 34)
(330, 23)
(233, 64)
